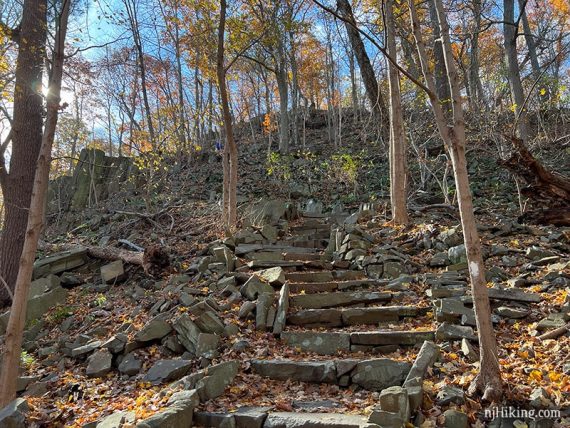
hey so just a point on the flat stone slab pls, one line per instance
(60, 262)
(243, 249)
(301, 371)
(167, 370)
(318, 287)
(514, 294)
(319, 342)
(325, 276)
(356, 316)
(333, 317)
(313, 420)
(254, 264)
(340, 298)
(316, 318)
(391, 337)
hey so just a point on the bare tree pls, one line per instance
(488, 380)
(366, 70)
(230, 157)
(398, 164)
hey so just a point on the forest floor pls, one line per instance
(74, 370)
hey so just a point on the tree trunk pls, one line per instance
(510, 42)
(488, 380)
(398, 164)
(17, 185)
(15, 328)
(230, 149)
(283, 88)
(441, 82)
(366, 70)
(133, 20)
(474, 79)
(531, 46)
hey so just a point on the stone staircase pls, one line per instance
(316, 290)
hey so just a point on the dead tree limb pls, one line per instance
(154, 260)
(548, 188)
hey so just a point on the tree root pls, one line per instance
(489, 385)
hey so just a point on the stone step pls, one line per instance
(337, 275)
(304, 256)
(309, 234)
(330, 343)
(311, 225)
(314, 420)
(243, 249)
(339, 298)
(378, 338)
(372, 374)
(318, 287)
(262, 264)
(320, 244)
(314, 215)
(353, 316)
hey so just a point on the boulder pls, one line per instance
(457, 254)
(428, 355)
(60, 262)
(37, 306)
(455, 419)
(188, 332)
(216, 379)
(167, 370)
(395, 400)
(207, 345)
(114, 272)
(251, 417)
(254, 286)
(154, 329)
(117, 420)
(130, 365)
(209, 322)
(448, 331)
(14, 414)
(379, 374)
(99, 364)
(274, 276)
(264, 302)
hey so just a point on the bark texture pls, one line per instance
(398, 164)
(35, 221)
(26, 131)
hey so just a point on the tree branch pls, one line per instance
(380, 48)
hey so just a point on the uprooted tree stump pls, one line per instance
(550, 189)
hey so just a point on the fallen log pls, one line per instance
(550, 189)
(556, 333)
(154, 260)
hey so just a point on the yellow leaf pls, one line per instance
(554, 376)
(535, 375)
